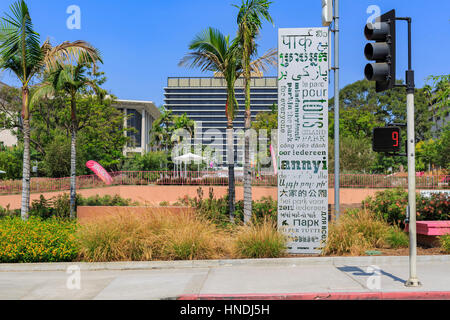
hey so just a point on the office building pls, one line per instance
(203, 100)
(140, 116)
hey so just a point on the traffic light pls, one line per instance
(382, 51)
(386, 139)
(327, 12)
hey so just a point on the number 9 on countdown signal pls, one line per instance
(386, 139)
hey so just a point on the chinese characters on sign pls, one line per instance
(303, 137)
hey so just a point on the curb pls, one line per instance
(149, 265)
(426, 295)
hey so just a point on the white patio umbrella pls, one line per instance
(187, 158)
(2, 172)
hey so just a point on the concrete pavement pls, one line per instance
(288, 278)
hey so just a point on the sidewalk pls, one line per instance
(288, 278)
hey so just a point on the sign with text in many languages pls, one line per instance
(303, 138)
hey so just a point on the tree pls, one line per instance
(151, 161)
(356, 155)
(267, 121)
(162, 129)
(438, 95)
(212, 51)
(22, 55)
(101, 134)
(434, 153)
(72, 80)
(10, 162)
(9, 108)
(362, 109)
(251, 12)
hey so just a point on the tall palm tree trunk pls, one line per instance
(73, 158)
(247, 125)
(26, 171)
(26, 155)
(230, 160)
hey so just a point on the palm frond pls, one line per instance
(44, 90)
(205, 61)
(267, 60)
(77, 52)
(210, 50)
(20, 41)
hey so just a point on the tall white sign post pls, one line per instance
(303, 138)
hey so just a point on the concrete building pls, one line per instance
(140, 116)
(203, 100)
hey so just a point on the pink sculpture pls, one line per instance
(99, 171)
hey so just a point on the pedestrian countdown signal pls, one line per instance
(386, 139)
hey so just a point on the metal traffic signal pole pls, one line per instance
(413, 281)
(383, 73)
(327, 18)
(336, 111)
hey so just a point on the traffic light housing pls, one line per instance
(382, 71)
(387, 139)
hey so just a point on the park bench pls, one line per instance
(429, 231)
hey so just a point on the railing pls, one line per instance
(214, 178)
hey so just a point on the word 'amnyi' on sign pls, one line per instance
(303, 138)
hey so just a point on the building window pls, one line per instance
(134, 121)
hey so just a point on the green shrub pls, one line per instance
(59, 206)
(151, 161)
(56, 161)
(266, 207)
(261, 240)
(7, 212)
(217, 209)
(213, 209)
(355, 232)
(445, 243)
(11, 160)
(389, 205)
(435, 207)
(107, 200)
(397, 238)
(37, 240)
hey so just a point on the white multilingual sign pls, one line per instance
(303, 138)
(428, 193)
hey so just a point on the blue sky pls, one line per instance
(142, 41)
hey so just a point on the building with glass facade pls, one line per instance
(140, 116)
(204, 99)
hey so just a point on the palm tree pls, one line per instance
(251, 12)
(71, 80)
(22, 55)
(162, 129)
(212, 51)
